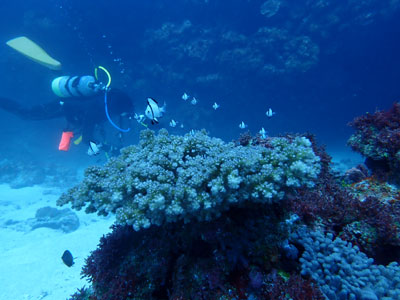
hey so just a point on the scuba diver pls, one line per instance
(84, 101)
(86, 104)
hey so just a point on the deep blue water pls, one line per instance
(317, 64)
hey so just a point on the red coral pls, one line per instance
(335, 207)
(104, 259)
(244, 139)
(380, 119)
(377, 137)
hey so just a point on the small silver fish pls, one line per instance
(172, 123)
(215, 106)
(270, 113)
(242, 125)
(194, 101)
(185, 96)
(263, 133)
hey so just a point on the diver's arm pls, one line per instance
(47, 111)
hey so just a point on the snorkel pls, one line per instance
(106, 88)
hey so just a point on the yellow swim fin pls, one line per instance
(34, 52)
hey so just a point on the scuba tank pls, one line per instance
(75, 86)
(78, 86)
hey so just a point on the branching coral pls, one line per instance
(170, 178)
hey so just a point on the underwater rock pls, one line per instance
(61, 219)
(355, 174)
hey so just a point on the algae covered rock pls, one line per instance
(167, 178)
(377, 137)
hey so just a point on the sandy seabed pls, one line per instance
(30, 260)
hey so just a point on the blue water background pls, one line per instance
(165, 48)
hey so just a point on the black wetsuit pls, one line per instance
(83, 114)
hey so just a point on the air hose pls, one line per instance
(106, 88)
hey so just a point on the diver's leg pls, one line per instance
(45, 111)
(11, 106)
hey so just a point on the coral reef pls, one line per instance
(269, 50)
(362, 216)
(287, 38)
(169, 178)
(227, 258)
(371, 224)
(227, 232)
(295, 287)
(343, 272)
(377, 137)
(372, 187)
(233, 257)
(242, 245)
